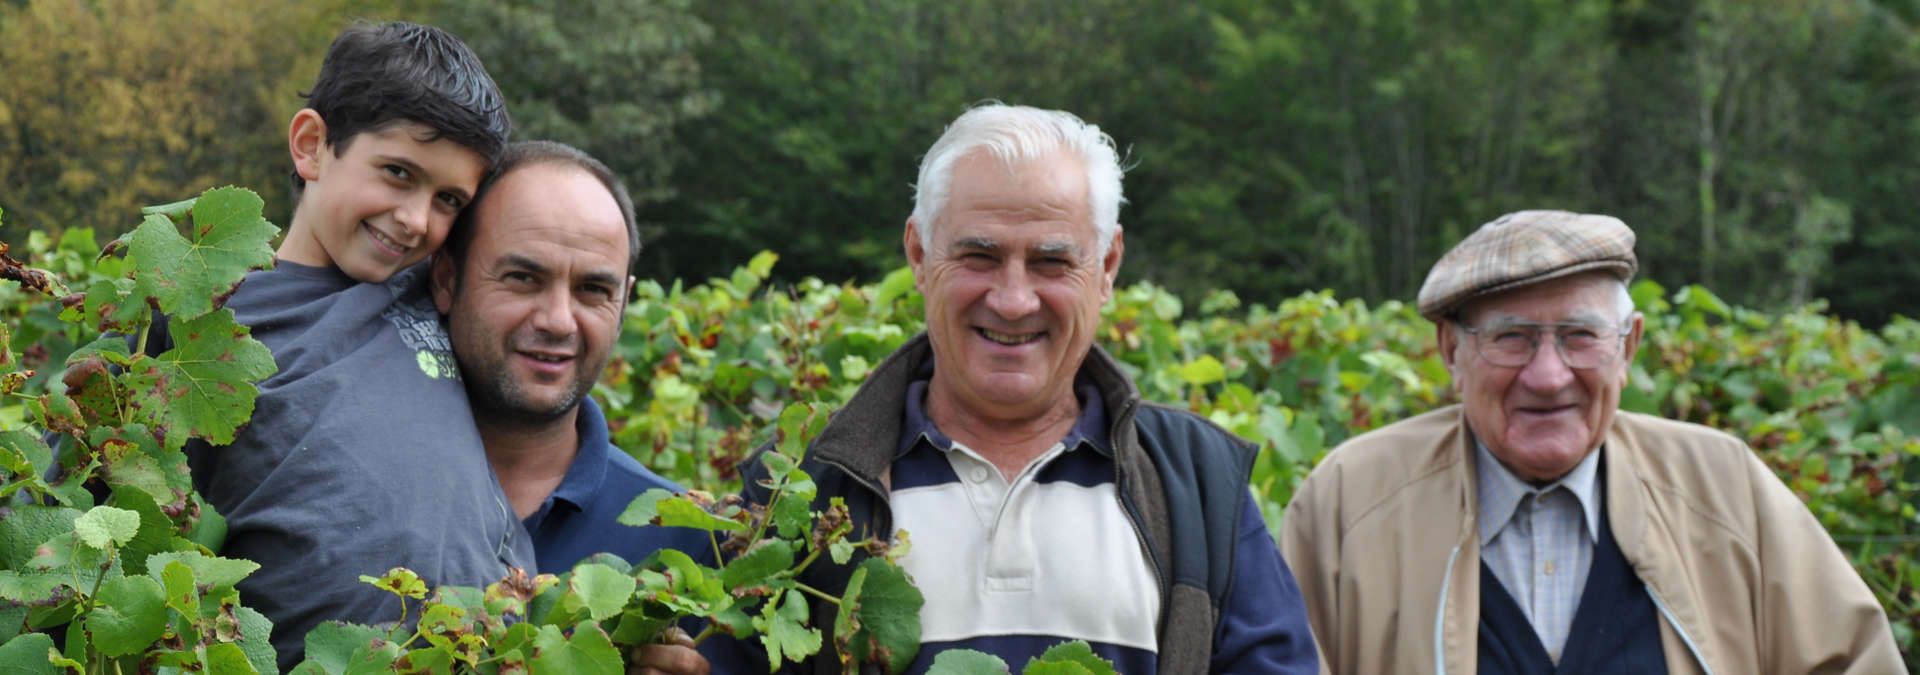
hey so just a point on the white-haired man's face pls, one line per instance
(1014, 282)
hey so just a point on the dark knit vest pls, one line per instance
(1616, 630)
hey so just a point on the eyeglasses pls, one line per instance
(1581, 345)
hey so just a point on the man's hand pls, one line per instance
(676, 657)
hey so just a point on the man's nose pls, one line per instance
(1547, 371)
(554, 315)
(1013, 295)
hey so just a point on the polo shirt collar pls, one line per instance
(589, 470)
(1500, 491)
(1090, 429)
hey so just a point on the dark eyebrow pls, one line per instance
(603, 278)
(522, 262)
(423, 176)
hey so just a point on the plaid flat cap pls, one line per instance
(1522, 248)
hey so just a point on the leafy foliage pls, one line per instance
(705, 373)
(701, 373)
(105, 537)
(582, 620)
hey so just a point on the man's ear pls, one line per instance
(1632, 347)
(916, 251)
(1448, 338)
(306, 140)
(1110, 265)
(446, 276)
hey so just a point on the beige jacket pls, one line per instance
(1382, 539)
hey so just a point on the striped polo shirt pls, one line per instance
(1012, 567)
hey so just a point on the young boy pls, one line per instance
(362, 453)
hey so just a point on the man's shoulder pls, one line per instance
(1164, 421)
(625, 473)
(1701, 463)
(1391, 447)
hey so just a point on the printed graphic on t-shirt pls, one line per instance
(418, 321)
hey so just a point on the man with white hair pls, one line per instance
(1046, 502)
(1535, 528)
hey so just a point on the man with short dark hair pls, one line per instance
(534, 284)
(1535, 528)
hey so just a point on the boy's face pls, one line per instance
(383, 204)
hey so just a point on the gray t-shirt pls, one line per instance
(362, 455)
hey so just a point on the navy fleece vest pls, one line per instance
(1615, 631)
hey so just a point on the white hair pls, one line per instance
(1623, 299)
(1014, 134)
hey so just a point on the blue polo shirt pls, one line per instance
(581, 517)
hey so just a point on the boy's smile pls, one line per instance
(379, 204)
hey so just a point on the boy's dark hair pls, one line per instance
(530, 153)
(376, 75)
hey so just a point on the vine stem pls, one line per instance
(815, 592)
(708, 632)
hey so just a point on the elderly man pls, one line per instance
(1045, 501)
(1533, 528)
(533, 282)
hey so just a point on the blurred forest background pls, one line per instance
(1769, 149)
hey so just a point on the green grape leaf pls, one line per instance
(186, 275)
(332, 644)
(29, 526)
(793, 514)
(879, 619)
(109, 348)
(210, 530)
(587, 651)
(841, 551)
(967, 662)
(156, 531)
(674, 511)
(22, 453)
(373, 658)
(1203, 371)
(176, 579)
(203, 386)
(896, 285)
(207, 570)
(103, 526)
(256, 639)
(644, 508)
(425, 660)
(65, 549)
(31, 588)
(399, 581)
(784, 631)
(598, 589)
(26, 654)
(1069, 658)
(640, 625)
(112, 307)
(227, 657)
(24, 458)
(762, 264)
(758, 565)
(130, 614)
(175, 211)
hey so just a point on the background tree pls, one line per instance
(1764, 149)
(106, 107)
(616, 78)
